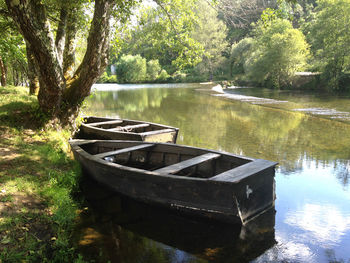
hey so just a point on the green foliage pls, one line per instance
(179, 76)
(278, 52)
(131, 69)
(239, 53)
(283, 11)
(12, 49)
(163, 76)
(329, 35)
(105, 78)
(211, 33)
(153, 69)
(165, 33)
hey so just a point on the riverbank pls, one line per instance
(37, 184)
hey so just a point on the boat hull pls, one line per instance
(234, 201)
(153, 133)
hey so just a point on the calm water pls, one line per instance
(307, 135)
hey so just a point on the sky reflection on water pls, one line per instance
(312, 181)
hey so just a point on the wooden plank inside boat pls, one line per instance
(245, 170)
(105, 123)
(177, 167)
(156, 132)
(125, 150)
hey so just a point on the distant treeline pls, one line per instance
(264, 43)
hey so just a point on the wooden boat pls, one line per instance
(123, 129)
(197, 181)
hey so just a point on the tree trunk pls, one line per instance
(61, 34)
(70, 43)
(60, 95)
(32, 72)
(3, 72)
(30, 16)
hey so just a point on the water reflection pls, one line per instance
(312, 181)
(324, 223)
(325, 105)
(130, 231)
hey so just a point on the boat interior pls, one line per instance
(125, 125)
(166, 158)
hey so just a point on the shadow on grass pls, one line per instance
(37, 210)
(37, 183)
(21, 114)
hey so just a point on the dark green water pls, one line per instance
(308, 135)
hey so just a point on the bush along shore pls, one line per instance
(39, 203)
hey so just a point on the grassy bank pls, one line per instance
(37, 179)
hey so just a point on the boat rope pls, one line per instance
(125, 129)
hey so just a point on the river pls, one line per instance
(308, 135)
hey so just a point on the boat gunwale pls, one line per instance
(75, 144)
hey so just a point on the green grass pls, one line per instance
(37, 181)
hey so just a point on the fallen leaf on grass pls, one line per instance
(5, 240)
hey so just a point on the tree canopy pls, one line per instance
(279, 51)
(165, 33)
(12, 52)
(330, 38)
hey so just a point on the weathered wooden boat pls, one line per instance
(197, 181)
(123, 129)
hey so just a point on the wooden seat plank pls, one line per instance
(105, 122)
(124, 150)
(156, 132)
(129, 127)
(177, 167)
(243, 171)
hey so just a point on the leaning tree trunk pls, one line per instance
(32, 72)
(62, 92)
(3, 72)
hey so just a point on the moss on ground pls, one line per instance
(37, 182)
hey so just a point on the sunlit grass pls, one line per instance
(37, 179)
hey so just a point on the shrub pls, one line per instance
(179, 76)
(278, 52)
(330, 38)
(153, 69)
(107, 79)
(239, 53)
(131, 69)
(163, 76)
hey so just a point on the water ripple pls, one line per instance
(334, 114)
(250, 99)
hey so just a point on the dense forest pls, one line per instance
(66, 47)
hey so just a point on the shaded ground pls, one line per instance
(37, 179)
(20, 209)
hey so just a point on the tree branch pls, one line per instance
(95, 56)
(61, 33)
(171, 22)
